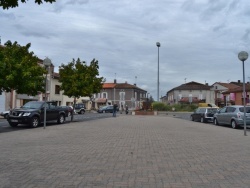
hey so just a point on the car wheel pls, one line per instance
(35, 122)
(234, 124)
(203, 120)
(191, 118)
(13, 124)
(82, 112)
(61, 119)
(216, 121)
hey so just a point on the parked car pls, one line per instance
(80, 108)
(232, 115)
(106, 109)
(5, 114)
(32, 113)
(204, 114)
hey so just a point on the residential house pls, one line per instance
(191, 92)
(237, 93)
(120, 93)
(218, 96)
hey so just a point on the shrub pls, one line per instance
(159, 106)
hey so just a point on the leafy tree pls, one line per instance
(20, 70)
(79, 79)
(6, 4)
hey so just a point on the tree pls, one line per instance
(79, 79)
(20, 70)
(6, 4)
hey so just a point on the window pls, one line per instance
(200, 96)
(180, 96)
(122, 96)
(105, 95)
(57, 89)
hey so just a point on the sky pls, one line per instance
(200, 39)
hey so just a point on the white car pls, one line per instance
(5, 114)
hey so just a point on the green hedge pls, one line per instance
(159, 106)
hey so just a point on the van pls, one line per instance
(207, 105)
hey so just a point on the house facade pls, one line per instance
(218, 93)
(120, 93)
(191, 92)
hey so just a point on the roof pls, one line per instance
(192, 86)
(238, 89)
(230, 85)
(121, 86)
(108, 85)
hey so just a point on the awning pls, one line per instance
(101, 100)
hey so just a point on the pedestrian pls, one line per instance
(126, 107)
(114, 109)
(122, 109)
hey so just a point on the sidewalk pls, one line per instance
(126, 151)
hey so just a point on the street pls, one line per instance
(127, 151)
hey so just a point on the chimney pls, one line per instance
(114, 81)
(238, 81)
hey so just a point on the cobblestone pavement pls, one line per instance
(127, 151)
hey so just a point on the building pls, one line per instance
(120, 93)
(218, 96)
(191, 92)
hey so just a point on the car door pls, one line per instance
(196, 114)
(228, 115)
(220, 115)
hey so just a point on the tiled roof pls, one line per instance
(192, 86)
(108, 85)
(238, 89)
(120, 86)
(227, 85)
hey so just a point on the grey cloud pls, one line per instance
(72, 2)
(9, 16)
(245, 37)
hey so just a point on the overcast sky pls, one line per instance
(200, 39)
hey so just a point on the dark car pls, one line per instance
(33, 113)
(80, 108)
(232, 115)
(5, 114)
(106, 109)
(203, 114)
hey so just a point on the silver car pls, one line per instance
(232, 115)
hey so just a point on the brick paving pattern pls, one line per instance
(127, 151)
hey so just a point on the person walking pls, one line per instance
(114, 109)
(122, 109)
(126, 107)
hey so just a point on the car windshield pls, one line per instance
(32, 105)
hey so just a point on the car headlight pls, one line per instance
(26, 114)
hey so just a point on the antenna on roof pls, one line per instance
(135, 79)
(185, 79)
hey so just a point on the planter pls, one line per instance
(143, 113)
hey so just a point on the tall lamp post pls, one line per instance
(243, 57)
(158, 45)
(46, 63)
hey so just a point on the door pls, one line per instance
(221, 114)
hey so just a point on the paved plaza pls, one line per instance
(127, 151)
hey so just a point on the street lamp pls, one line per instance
(243, 57)
(158, 45)
(46, 63)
